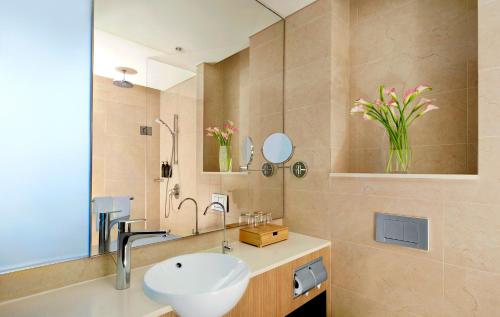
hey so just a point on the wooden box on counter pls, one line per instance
(263, 235)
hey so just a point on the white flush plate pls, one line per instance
(220, 198)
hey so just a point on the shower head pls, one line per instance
(160, 121)
(124, 83)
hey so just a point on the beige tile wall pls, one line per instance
(226, 98)
(236, 98)
(432, 42)
(125, 163)
(212, 103)
(460, 274)
(307, 114)
(265, 114)
(219, 92)
(340, 87)
(182, 100)
(248, 89)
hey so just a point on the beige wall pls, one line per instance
(226, 98)
(340, 99)
(182, 100)
(236, 99)
(219, 92)
(265, 115)
(460, 275)
(431, 42)
(212, 100)
(125, 163)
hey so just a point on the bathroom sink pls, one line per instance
(198, 284)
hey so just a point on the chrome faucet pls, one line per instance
(105, 226)
(196, 212)
(226, 246)
(123, 252)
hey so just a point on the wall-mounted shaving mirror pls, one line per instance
(247, 152)
(277, 148)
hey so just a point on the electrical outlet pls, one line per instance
(220, 198)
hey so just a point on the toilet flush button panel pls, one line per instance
(405, 231)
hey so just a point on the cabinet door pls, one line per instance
(260, 298)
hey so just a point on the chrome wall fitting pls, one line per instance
(176, 191)
(299, 169)
(268, 169)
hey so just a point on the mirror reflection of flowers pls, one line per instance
(396, 115)
(225, 135)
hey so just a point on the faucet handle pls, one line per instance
(128, 223)
(226, 246)
(109, 212)
(104, 217)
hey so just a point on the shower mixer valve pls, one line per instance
(176, 191)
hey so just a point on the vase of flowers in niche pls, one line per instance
(396, 115)
(224, 137)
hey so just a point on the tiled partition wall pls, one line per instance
(460, 275)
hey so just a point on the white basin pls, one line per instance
(198, 284)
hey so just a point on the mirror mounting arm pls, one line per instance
(298, 169)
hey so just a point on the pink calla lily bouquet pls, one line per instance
(396, 115)
(225, 135)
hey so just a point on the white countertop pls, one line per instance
(100, 298)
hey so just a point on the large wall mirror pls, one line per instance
(164, 72)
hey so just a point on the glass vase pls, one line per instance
(399, 155)
(225, 160)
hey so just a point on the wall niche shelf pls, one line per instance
(225, 173)
(407, 176)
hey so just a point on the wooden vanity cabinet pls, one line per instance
(270, 294)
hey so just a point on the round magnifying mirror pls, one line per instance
(277, 148)
(246, 152)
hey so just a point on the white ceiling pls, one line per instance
(111, 51)
(207, 30)
(286, 7)
(144, 34)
